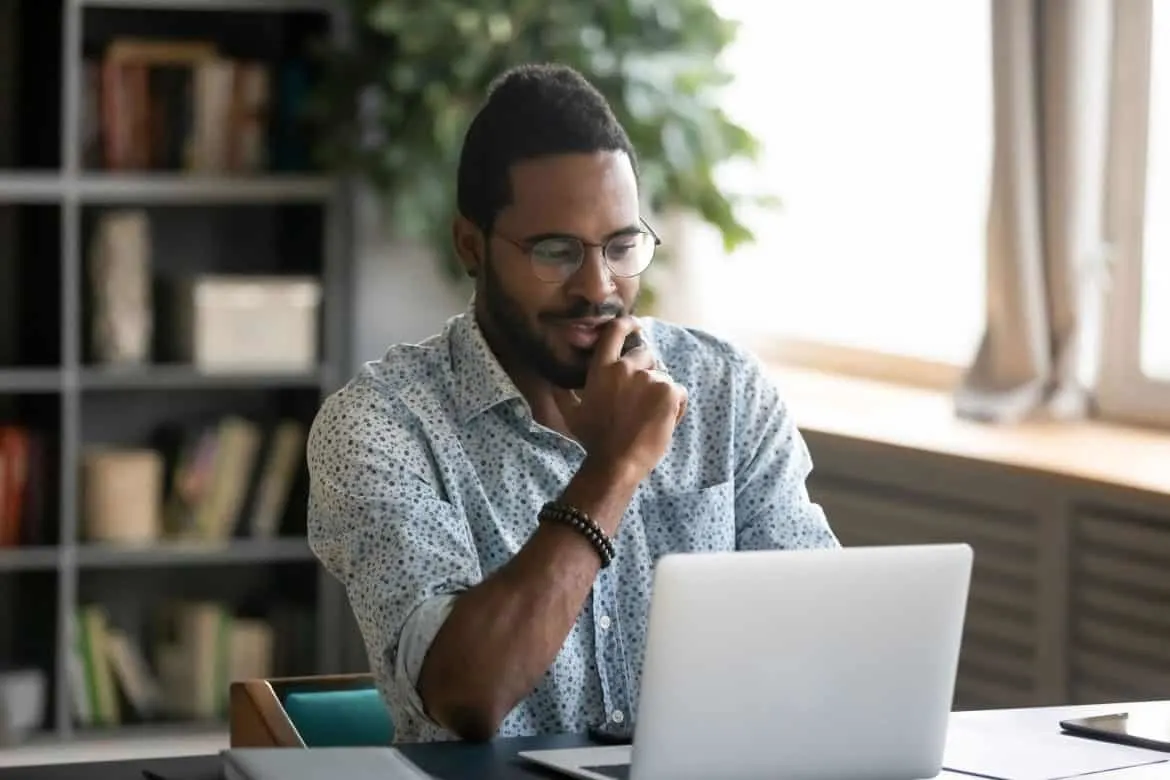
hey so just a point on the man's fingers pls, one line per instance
(613, 335)
(641, 359)
(682, 405)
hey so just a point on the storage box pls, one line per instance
(22, 704)
(255, 324)
(123, 494)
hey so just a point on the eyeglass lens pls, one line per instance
(559, 258)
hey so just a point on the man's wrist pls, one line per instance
(585, 525)
(619, 474)
(603, 490)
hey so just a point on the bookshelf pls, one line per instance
(275, 218)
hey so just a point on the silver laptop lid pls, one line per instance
(814, 664)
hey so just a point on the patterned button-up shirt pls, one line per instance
(428, 472)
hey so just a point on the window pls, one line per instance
(1155, 302)
(877, 130)
(1135, 375)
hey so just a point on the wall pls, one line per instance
(400, 293)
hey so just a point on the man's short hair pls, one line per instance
(531, 111)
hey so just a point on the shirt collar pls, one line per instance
(480, 380)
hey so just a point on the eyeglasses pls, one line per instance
(557, 258)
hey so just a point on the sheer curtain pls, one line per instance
(1046, 244)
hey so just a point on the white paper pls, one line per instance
(1050, 755)
(1147, 772)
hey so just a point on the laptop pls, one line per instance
(801, 665)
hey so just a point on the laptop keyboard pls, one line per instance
(618, 771)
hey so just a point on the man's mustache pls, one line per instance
(584, 310)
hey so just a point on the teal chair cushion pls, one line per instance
(350, 718)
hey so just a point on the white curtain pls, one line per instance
(1046, 247)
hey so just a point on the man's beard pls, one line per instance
(527, 344)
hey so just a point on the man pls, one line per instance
(494, 498)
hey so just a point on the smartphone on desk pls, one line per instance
(1146, 727)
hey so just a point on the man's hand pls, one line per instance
(626, 414)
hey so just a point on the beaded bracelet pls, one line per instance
(584, 524)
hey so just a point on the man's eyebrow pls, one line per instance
(543, 236)
(628, 230)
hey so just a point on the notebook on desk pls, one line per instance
(350, 763)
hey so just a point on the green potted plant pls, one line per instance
(396, 102)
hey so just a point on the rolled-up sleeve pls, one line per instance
(773, 509)
(378, 523)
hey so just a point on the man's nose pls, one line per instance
(593, 281)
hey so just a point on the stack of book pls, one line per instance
(178, 105)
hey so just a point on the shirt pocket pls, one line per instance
(701, 520)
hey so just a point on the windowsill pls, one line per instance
(924, 420)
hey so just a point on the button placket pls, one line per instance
(611, 654)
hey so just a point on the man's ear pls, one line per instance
(468, 244)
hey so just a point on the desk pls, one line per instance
(497, 760)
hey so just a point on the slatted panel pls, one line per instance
(998, 663)
(1120, 607)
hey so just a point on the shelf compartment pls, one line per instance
(28, 635)
(36, 419)
(136, 417)
(30, 87)
(30, 286)
(185, 241)
(176, 424)
(274, 51)
(187, 610)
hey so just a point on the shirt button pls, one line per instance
(618, 716)
(604, 622)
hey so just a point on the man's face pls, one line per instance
(550, 328)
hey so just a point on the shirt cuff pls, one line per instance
(417, 635)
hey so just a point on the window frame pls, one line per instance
(1124, 392)
(869, 364)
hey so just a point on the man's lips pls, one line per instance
(583, 333)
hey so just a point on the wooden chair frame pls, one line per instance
(256, 707)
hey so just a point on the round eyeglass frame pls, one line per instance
(529, 248)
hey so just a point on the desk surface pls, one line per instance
(495, 760)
